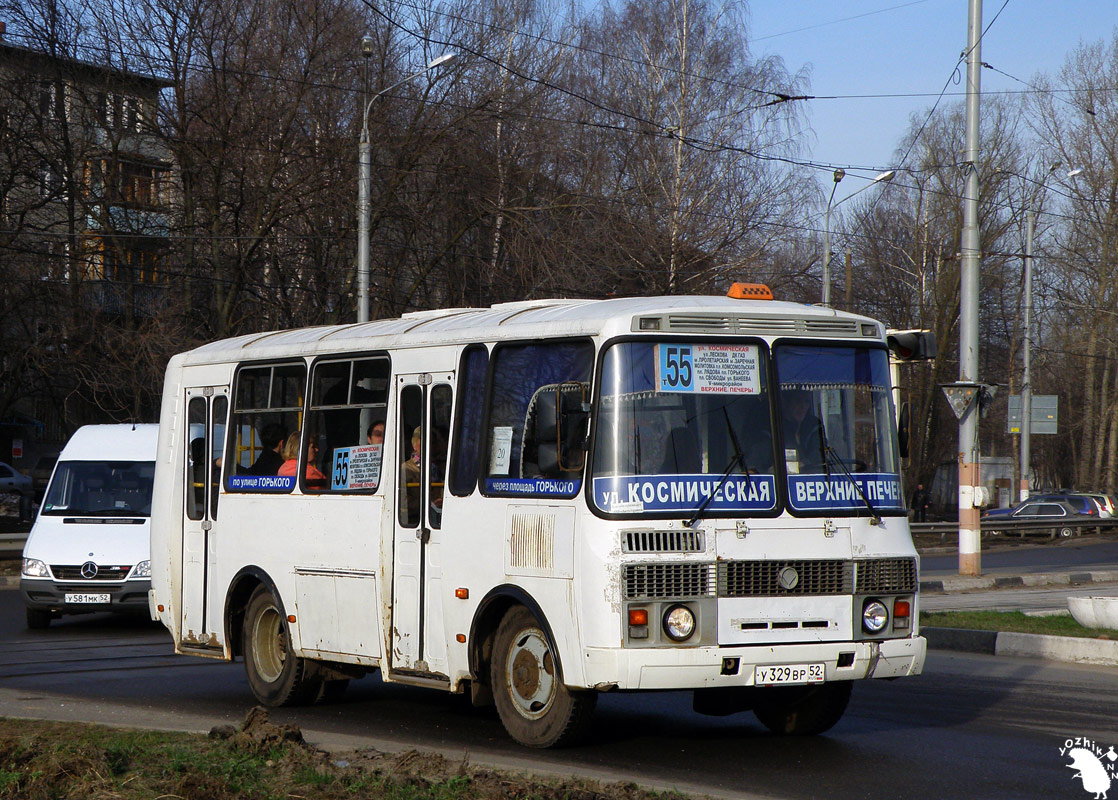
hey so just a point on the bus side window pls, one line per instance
(467, 426)
(267, 407)
(348, 399)
(439, 426)
(411, 443)
(196, 459)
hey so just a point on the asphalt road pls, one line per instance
(971, 726)
(1093, 552)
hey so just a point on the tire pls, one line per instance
(38, 619)
(1066, 533)
(275, 675)
(803, 710)
(535, 707)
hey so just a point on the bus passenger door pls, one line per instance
(207, 409)
(423, 405)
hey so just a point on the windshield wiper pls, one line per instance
(830, 455)
(738, 458)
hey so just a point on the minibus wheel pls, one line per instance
(803, 710)
(275, 675)
(535, 707)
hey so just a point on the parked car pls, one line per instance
(1058, 511)
(1105, 501)
(1083, 503)
(12, 481)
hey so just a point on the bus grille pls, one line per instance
(770, 578)
(669, 580)
(686, 541)
(886, 576)
(763, 578)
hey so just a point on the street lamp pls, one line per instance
(1027, 325)
(365, 175)
(839, 175)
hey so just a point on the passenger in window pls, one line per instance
(411, 477)
(290, 465)
(375, 434)
(272, 438)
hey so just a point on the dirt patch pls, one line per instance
(256, 760)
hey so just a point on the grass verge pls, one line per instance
(1015, 621)
(258, 761)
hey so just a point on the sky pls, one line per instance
(859, 50)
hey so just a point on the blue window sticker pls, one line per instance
(838, 492)
(631, 494)
(261, 483)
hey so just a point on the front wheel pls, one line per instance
(803, 710)
(535, 707)
(1066, 533)
(275, 675)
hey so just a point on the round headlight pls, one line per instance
(875, 616)
(679, 623)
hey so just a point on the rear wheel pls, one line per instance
(37, 619)
(535, 707)
(803, 710)
(275, 675)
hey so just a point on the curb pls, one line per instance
(9, 582)
(966, 583)
(1070, 649)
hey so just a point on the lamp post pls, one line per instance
(365, 175)
(1026, 358)
(839, 175)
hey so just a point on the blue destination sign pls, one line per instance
(551, 487)
(637, 494)
(261, 483)
(836, 491)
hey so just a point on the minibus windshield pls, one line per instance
(681, 424)
(838, 431)
(100, 488)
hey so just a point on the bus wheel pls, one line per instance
(803, 710)
(37, 619)
(535, 707)
(275, 675)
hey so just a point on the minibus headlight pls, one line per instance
(34, 568)
(875, 616)
(142, 570)
(679, 623)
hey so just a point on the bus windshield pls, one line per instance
(100, 488)
(674, 419)
(838, 430)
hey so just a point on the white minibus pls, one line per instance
(542, 501)
(88, 548)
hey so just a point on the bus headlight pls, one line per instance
(875, 616)
(34, 568)
(142, 570)
(679, 623)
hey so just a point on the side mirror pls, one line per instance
(902, 429)
(561, 412)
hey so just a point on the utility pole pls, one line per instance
(970, 526)
(1026, 377)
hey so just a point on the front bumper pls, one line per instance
(714, 667)
(125, 597)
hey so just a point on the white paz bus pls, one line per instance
(540, 501)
